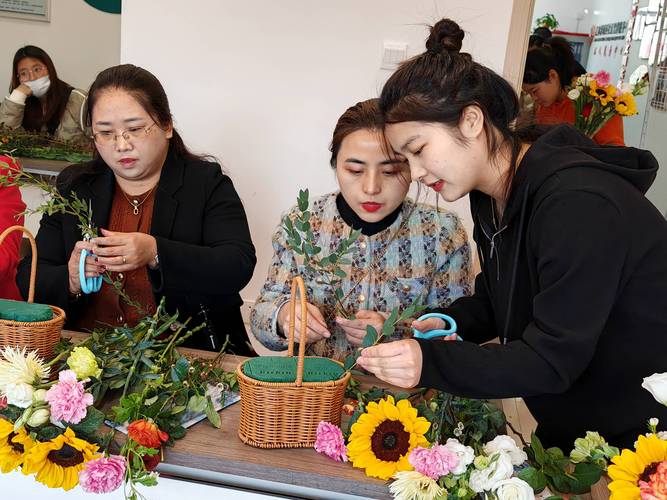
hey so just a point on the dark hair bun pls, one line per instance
(446, 35)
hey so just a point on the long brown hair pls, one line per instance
(438, 85)
(143, 86)
(35, 116)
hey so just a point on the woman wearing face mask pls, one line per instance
(171, 223)
(574, 274)
(41, 102)
(406, 250)
(550, 68)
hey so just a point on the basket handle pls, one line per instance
(33, 264)
(298, 282)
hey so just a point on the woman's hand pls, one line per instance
(355, 329)
(24, 89)
(398, 363)
(121, 252)
(433, 324)
(92, 268)
(316, 327)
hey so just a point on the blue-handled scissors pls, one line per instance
(439, 332)
(93, 284)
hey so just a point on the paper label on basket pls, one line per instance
(190, 418)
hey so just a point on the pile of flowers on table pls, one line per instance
(596, 100)
(52, 428)
(445, 447)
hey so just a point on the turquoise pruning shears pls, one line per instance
(437, 333)
(93, 284)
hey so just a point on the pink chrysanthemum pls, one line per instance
(68, 399)
(433, 462)
(603, 78)
(102, 475)
(330, 442)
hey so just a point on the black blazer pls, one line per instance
(203, 240)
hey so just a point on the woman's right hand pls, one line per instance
(92, 269)
(316, 328)
(24, 89)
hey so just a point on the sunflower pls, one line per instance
(13, 446)
(603, 94)
(58, 462)
(630, 467)
(384, 436)
(625, 105)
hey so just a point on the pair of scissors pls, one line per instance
(451, 330)
(92, 284)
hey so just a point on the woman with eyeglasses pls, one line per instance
(39, 101)
(171, 223)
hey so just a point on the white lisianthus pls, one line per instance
(505, 444)
(513, 489)
(39, 417)
(465, 453)
(19, 394)
(39, 396)
(626, 88)
(574, 94)
(656, 384)
(486, 480)
(662, 435)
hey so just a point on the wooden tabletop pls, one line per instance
(218, 456)
(44, 167)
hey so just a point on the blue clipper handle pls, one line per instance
(88, 285)
(437, 333)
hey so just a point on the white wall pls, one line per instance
(260, 84)
(81, 40)
(566, 12)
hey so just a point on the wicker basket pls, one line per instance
(286, 414)
(40, 336)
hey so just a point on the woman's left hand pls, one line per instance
(398, 363)
(121, 252)
(355, 329)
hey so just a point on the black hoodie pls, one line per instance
(574, 282)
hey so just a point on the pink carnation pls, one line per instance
(102, 475)
(433, 462)
(330, 442)
(68, 399)
(602, 77)
(656, 487)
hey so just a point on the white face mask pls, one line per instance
(40, 86)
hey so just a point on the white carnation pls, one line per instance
(19, 394)
(465, 453)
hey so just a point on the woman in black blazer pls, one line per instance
(172, 224)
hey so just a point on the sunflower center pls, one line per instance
(601, 93)
(649, 471)
(390, 441)
(66, 456)
(17, 447)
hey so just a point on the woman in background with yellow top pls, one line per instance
(550, 67)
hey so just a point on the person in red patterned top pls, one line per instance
(11, 208)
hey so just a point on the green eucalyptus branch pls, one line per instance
(301, 240)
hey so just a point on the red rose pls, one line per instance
(586, 112)
(3, 402)
(146, 433)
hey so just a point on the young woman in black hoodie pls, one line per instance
(574, 257)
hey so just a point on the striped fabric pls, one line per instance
(429, 259)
